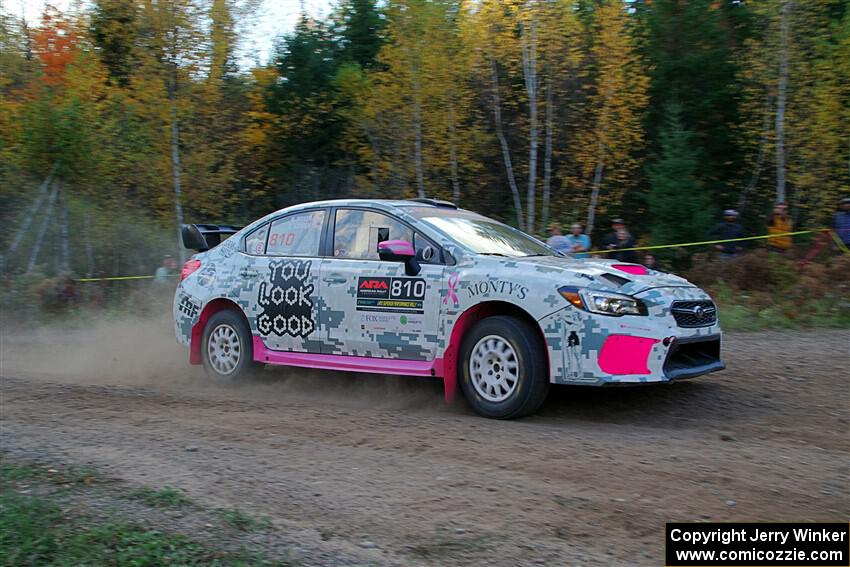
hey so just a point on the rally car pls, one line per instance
(422, 288)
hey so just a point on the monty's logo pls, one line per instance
(499, 287)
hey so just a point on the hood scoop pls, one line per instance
(618, 281)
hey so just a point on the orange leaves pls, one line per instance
(55, 44)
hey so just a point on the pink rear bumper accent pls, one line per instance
(346, 363)
(624, 354)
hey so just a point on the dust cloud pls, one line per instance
(141, 352)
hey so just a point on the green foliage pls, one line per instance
(390, 98)
(12, 472)
(679, 205)
(242, 520)
(360, 23)
(166, 497)
(114, 27)
(34, 531)
(690, 49)
(762, 290)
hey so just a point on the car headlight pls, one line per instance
(603, 302)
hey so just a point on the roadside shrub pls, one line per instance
(763, 290)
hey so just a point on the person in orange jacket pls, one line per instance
(779, 222)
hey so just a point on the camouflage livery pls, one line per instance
(313, 305)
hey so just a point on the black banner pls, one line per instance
(758, 544)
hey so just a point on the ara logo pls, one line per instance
(374, 284)
(376, 288)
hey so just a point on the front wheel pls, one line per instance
(503, 371)
(228, 350)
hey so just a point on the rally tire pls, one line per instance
(503, 368)
(227, 349)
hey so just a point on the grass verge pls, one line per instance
(35, 530)
(162, 498)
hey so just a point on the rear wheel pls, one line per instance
(228, 352)
(503, 368)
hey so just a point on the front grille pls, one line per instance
(693, 357)
(694, 313)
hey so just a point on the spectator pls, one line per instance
(618, 240)
(166, 270)
(779, 222)
(578, 242)
(557, 240)
(649, 261)
(726, 230)
(841, 221)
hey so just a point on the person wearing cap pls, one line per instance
(618, 240)
(726, 230)
(557, 240)
(841, 221)
(578, 242)
(779, 222)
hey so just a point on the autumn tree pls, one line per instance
(796, 101)
(617, 99)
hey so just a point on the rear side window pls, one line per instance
(296, 235)
(255, 243)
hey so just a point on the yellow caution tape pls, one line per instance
(118, 278)
(839, 242)
(656, 247)
(841, 246)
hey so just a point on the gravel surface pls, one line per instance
(377, 470)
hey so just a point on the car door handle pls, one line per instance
(246, 273)
(335, 280)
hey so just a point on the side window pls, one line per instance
(296, 235)
(357, 233)
(255, 243)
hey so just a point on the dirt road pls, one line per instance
(377, 470)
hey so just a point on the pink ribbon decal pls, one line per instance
(452, 284)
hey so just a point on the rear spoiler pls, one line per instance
(202, 237)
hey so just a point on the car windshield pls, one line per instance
(481, 234)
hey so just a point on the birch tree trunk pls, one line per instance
(42, 191)
(417, 136)
(547, 152)
(42, 230)
(754, 178)
(89, 251)
(781, 101)
(175, 166)
(453, 152)
(594, 195)
(529, 66)
(503, 142)
(399, 178)
(64, 250)
(376, 160)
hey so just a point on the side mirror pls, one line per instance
(399, 251)
(193, 238)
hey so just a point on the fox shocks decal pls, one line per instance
(287, 300)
